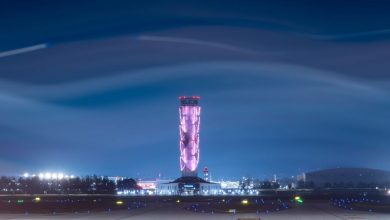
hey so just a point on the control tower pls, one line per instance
(189, 113)
(189, 183)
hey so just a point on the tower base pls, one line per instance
(189, 186)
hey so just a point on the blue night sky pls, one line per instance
(285, 86)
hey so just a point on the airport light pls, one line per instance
(37, 199)
(47, 176)
(50, 176)
(245, 202)
(178, 201)
(53, 176)
(119, 202)
(298, 199)
(232, 211)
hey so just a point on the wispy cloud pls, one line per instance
(23, 50)
(350, 36)
(180, 40)
(280, 108)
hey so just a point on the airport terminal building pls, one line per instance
(189, 186)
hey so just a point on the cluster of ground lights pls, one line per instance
(363, 204)
(243, 205)
(89, 204)
(67, 204)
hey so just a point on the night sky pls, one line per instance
(285, 86)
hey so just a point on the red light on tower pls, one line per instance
(206, 173)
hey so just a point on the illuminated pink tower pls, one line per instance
(189, 111)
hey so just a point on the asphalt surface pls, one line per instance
(314, 211)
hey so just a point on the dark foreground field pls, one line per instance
(56, 204)
(152, 207)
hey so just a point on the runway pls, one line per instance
(316, 211)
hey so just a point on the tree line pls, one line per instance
(78, 185)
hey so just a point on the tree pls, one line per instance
(127, 184)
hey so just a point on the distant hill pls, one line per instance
(346, 178)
